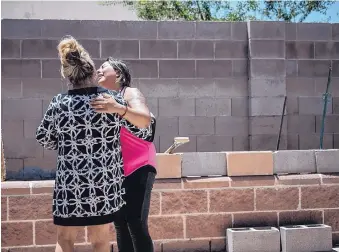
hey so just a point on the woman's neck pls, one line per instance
(83, 85)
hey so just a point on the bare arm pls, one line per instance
(137, 112)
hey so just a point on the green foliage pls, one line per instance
(290, 11)
(296, 11)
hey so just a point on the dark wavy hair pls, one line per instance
(121, 68)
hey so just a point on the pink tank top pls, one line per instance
(136, 152)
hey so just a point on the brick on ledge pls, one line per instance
(330, 178)
(249, 163)
(209, 182)
(252, 181)
(294, 161)
(305, 179)
(168, 165)
(15, 188)
(41, 187)
(167, 184)
(327, 161)
(203, 164)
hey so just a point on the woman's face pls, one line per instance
(107, 76)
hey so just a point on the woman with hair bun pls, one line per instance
(88, 185)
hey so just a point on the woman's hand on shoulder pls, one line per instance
(107, 104)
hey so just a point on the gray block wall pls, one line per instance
(220, 83)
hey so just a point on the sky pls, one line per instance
(332, 13)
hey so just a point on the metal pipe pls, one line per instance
(281, 122)
(325, 98)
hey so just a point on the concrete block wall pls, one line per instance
(310, 49)
(189, 214)
(220, 83)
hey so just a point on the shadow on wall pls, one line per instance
(30, 173)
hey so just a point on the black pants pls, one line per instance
(131, 224)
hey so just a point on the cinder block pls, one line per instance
(157, 88)
(176, 107)
(196, 125)
(203, 164)
(231, 87)
(299, 50)
(326, 50)
(266, 30)
(268, 68)
(290, 31)
(291, 68)
(158, 49)
(263, 239)
(335, 31)
(212, 30)
(249, 163)
(231, 126)
(266, 106)
(168, 165)
(309, 141)
(126, 49)
(268, 87)
(176, 30)
(144, 68)
(212, 107)
(327, 161)
(195, 49)
(239, 106)
(133, 30)
(294, 161)
(313, 68)
(267, 49)
(312, 32)
(240, 68)
(267, 142)
(313, 106)
(298, 86)
(306, 238)
(231, 49)
(213, 68)
(176, 69)
(262, 125)
(10, 48)
(214, 143)
(20, 28)
(239, 31)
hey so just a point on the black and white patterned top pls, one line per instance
(88, 184)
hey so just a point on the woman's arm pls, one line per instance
(137, 112)
(46, 132)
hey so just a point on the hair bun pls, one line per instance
(76, 64)
(70, 51)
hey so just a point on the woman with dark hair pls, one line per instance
(138, 157)
(88, 185)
